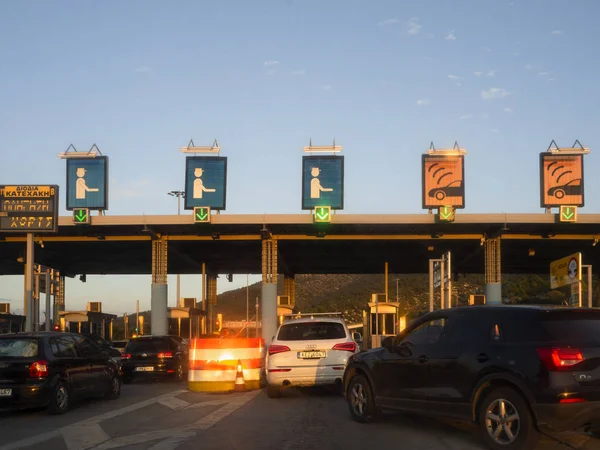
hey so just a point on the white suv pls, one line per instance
(308, 350)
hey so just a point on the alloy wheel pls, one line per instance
(358, 399)
(502, 421)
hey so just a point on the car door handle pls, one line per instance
(423, 359)
(482, 357)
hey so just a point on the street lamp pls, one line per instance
(179, 195)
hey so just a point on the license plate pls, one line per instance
(312, 355)
(5, 392)
(145, 369)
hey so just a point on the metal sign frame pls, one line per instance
(30, 216)
(340, 159)
(75, 160)
(189, 198)
(558, 203)
(425, 198)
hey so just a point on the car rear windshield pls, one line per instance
(311, 331)
(18, 348)
(147, 346)
(576, 327)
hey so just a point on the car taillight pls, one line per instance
(165, 355)
(125, 355)
(571, 400)
(278, 349)
(560, 358)
(38, 369)
(346, 346)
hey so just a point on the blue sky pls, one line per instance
(385, 78)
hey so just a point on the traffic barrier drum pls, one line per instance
(213, 363)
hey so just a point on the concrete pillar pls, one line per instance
(493, 273)
(289, 288)
(159, 289)
(211, 301)
(269, 290)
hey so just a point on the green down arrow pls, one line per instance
(202, 215)
(567, 214)
(445, 214)
(81, 215)
(322, 213)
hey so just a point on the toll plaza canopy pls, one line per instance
(231, 243)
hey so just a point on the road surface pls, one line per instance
(165, 416)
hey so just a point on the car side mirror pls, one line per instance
(357, 337)
(388, 343)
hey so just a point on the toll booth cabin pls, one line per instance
(382, 320)
(186, 322)
(10, 323)
(92, 321)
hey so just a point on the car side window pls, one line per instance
(63, 347)
(87, 348)
(427, 333)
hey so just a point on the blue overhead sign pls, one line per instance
(205, 182)
(323, 181)
(87, 183)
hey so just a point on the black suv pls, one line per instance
(152, 356)
(52, 369)
(510, 369)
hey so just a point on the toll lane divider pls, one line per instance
(213, 363)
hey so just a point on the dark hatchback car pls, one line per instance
(153, 356)
(53, 369)
(513, 370)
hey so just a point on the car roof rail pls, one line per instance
(311, 315)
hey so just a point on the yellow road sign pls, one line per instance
(565, 271)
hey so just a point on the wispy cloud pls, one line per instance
(543, 74)
(387, 22)
(495, 130)
(299, 72)
(271, 63)
(327, 87)
(548, 76)
(451, 36)
(494, 93)
(529, 67)
(489, 73)
(423, 102)
(455, 79)
(414, 27)
(557, 32)
(465, 116)
(508, 110)
(143, 69)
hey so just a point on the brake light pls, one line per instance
(346, 346)
(38, 369)
(560, 358)
(125, 355)
(165, 355)
(273, 349)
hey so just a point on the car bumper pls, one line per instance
(25, 396)
(305, 376)
(568, 416)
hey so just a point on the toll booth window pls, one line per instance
(385, 325)
(311, 331)
(18, 348)
(63, 347)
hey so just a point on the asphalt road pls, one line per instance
(165, 416)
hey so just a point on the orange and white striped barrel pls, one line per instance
(213, 363)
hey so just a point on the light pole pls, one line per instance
(179, 195)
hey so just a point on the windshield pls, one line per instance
(147, 346)
(18, 348)
(311, 331)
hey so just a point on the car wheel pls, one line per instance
(440, 195)
(559, 193)
(505, 421)
(115, 388)
(361, 400)
(59, 402)
(273, 392)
